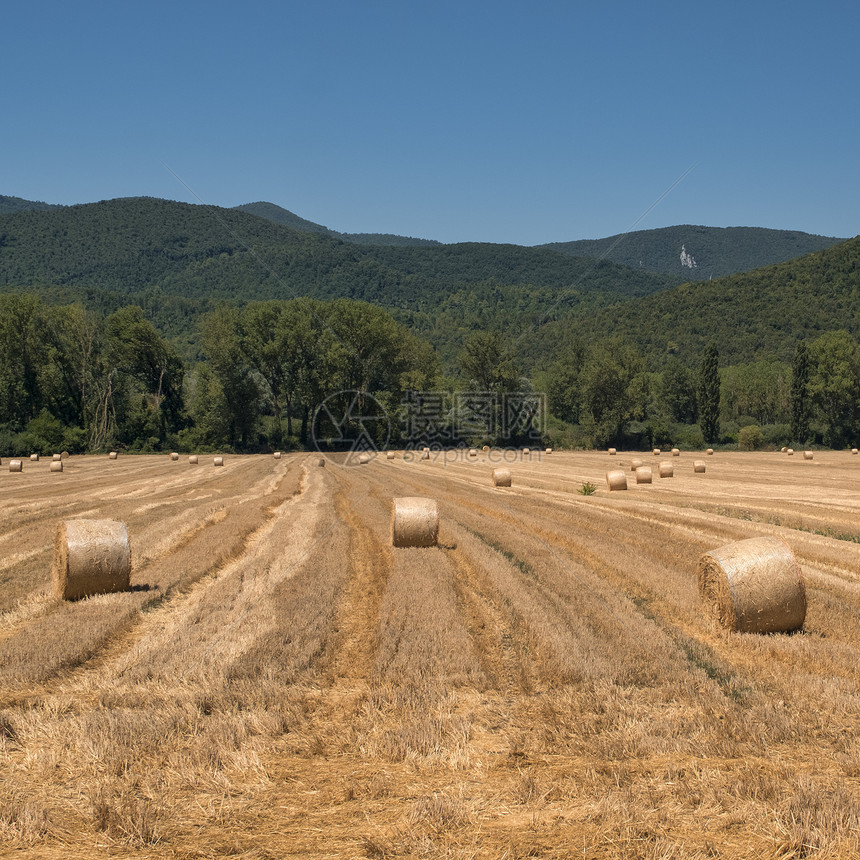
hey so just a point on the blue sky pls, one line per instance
(523, 122)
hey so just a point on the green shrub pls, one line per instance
(750, 437)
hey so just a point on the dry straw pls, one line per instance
(501, 477)
(90, 557)
(635, 464)
(34, 458)
(526, 452)
(676, 452)
(853, 450)
(616, 480)
(65, 455)
(389, 455)
(656, 452)
(174, 456)
(415, 522)
(56, 465)
(473, 453)
(321, 462)
(698, 465)
(710, 451)
(218, 461)
(485, 448)
(783, 449)
(57, 457)
(16, 466)
(425, 454)
(667, 470)
(612, 452)
(753, 586)
(363, 458)
(277, 455)
(548, 451)
(193, 459)
(807, 455)
(790, 452)
(643, 475)
(112, 455)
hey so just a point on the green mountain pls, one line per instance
(18, 204)
(176, 259)
(282, 216)
(698, 253)
(758, 314)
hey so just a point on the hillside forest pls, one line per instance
(145, 325)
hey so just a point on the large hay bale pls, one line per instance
(548, 451)
(415, 522)
(643, 475)
(853, 450)
(425, 454)
(56, 465)
(635, 464)
(616, 480)
(193, 459)
(612, 452)
(390, 455)
(790, 452)
(656, 452)
(57, 457)
(90, 557)
(16, 466)
(174, 456)
(485, 448)
(807, 455)
(676, 452)
(753, 586)
(710, 451)
(277, 455)
(112, 455)
(473, 452)
(501, 477)
(783, 449)
(34, 458)
(321, 462)
(667, 470)
(65, 455)
(526, 452)
(218, 461)
(363, 458)
(698, 465)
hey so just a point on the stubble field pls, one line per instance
(281, 682)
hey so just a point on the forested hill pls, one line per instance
(699, 253)
(18, 204)
(279, 215)
(162, 254)
(755, 315)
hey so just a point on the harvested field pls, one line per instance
(282, 682)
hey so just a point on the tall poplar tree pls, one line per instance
(800, 393)
(709, 393)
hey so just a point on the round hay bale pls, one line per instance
(635, 464)
(112, 455)
(853, 450)
(321, 462)
(526, 452)
(616, 480)
(676, 452)
(218, 461)
(65, 455)
(656, 452)
(425, 454)
(34, 458)
(643, 475)
(667, 470)
(753, 586)
(790, 452)
(277, 455)
(710, 451)
(699, 466)
(548, 451)
(807, 455)
(16, 466)
(612, 452)
(501, 477)
(783, 449)
(90, 557)
(193, 459)
(363, 458)
(57, 457)
(390, 455)
(174, 456)
(425, 448)
(485, 448)
(56, 465)
(415, 522)
(473, 453)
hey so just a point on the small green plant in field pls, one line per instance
(587, 489)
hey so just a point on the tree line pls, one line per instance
(75, 379)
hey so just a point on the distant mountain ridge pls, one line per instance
(9, 205)
(698, 253)
(279, 215)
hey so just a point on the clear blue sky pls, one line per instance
(522, 122)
